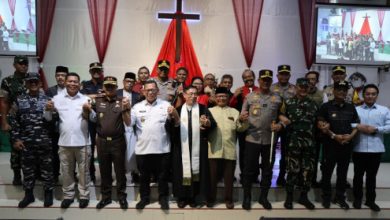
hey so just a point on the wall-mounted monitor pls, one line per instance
(18, 27)
(352, 34)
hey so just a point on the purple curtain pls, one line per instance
(248, 14)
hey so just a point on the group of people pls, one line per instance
(162, 129)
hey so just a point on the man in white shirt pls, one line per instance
(73, 110)
(153, 119)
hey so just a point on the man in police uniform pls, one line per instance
(338, 74)
(93, 88)
(300, 112)
(30, 136)
(335, 119)
(263, 107)
(286, 90)
(12, 87)
(166, 86)
(111, 114)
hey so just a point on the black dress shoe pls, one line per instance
(265, 203)
(181, 204)
(66, 203)
(246, 203)
(164, 205)
(123, 204)
(103, 203)
(83, 203)
(357, 204)
(341, 203)
(373, 206)
(141, 204)
(326, 203)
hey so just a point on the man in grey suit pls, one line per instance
(61, 72)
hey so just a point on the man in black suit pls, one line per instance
(134, 97)
(61, 72)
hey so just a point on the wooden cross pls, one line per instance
(178, 15)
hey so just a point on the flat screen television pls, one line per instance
(352, 34)
(18, 27)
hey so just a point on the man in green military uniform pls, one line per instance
(299, 117)
(286, 90)
(13, 86)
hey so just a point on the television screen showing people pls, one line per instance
(18, 27)
(353, 35)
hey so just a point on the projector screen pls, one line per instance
(17, 27)
(353, 35)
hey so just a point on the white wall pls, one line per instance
(137, 36)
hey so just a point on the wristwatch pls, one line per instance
(333, 135)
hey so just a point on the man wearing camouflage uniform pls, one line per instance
(285, 90)
(13, 86)
(30, 136)
(299, 117)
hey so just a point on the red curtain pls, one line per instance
(188, 57)
(307, 17)
(248, 15)
(353, 15)
(101, 13)
(381, 17)
(343, 15)
(45, 11)
(12, 4)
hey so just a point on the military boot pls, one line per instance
(48, 198)
(28, 198)
(303, 200)
(288, 204)
(263, 200)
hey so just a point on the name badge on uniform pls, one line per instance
(256, 109)
(101, 114)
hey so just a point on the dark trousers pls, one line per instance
(112, 152)
(56, 158)
(241, 150)
(228, 174)
(339, 155)
(252, 153)
(282, 161)
(92, 133)
(157, 164)
(365, 163)
(32, 154)
(316, 160)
